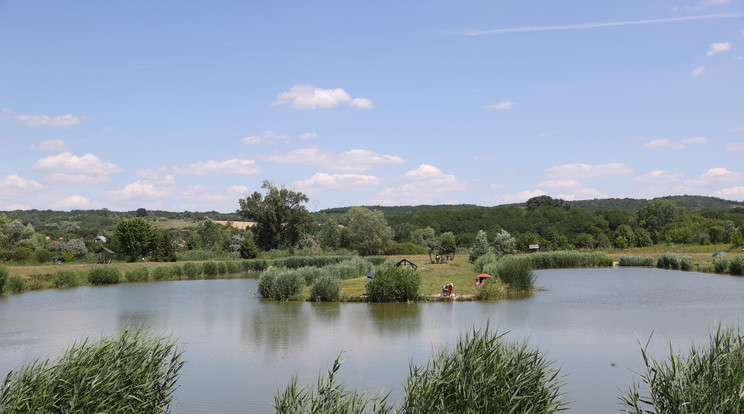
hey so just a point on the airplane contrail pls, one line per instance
(605, 24)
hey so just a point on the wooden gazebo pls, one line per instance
(102, 258)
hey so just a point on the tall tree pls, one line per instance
(135, 237)
(367, 231)
(280, 217)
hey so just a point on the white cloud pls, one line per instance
(697, 71)
(583, 193)
(321, 182)
(63, 121)
(584, 171)
(732, 193)
(159, 176)
(237, 191)
(229, 167)
(501, 105)
(355, 160)
(52, 145)
(714, 176)
(666, 143)
(74, 202)
(658, 177)
(718, 48)
(735, 146)
(13, 182)
(560, 184)
(428, 183)
(308, 135)
(139, 189)
(67, 167)
(519, 197)
(310, 97)
(268, 137)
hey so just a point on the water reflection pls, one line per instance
(394, 319)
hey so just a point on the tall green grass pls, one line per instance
(3, 277)
(326, 289)
(296, 262)
(636, 261)
(394, 284)
(192, 270)
(708, 379)
(569, 259)
(668, 261)
(484, 374)
(16, 284)
(736, 266)
(255, 265)
(280, 284)
(138, 274)
(490, 289)
(104, 275)
(65, 278)
(516, 272)
(129, 373)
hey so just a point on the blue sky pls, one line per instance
(192, 105)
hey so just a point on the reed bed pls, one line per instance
(569, 259)
(515, 272)
(326, 289)
(3, 277)
(708, 379)
(139, 274)
(636, 261)
(105, 275)
(296, 262)
(394, 284)
(736, 266)
(65, 279)
(484, 374)
(668, 261)
(280, 284)
(255, 265)
(129, 373)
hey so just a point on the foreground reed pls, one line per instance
(709, 379)
(128, 373)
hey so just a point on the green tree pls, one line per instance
(367, 231)
(424, 237)
(248, 249)
(546, 201)
(585, 241)
(164, 250)
(134, 237)
(655, 215)
(480, 247)
(141, 212)
(643, 237)
(626, 233)
(504, 243)
(329, 234)
(279, 215)
(447, 242)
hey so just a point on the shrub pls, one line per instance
(627, 260)
(668, 261)
(707, 380)
(736, 266)
(480, 246)
(310, 274)
(349, 269)
(517, 273)
(38, 282)
(394, 284)
(686, 263)
(131, 373)
(210, 268)
(287, 285)
(480, 263)
(490, 289)
(139, 274)
(3, 277)
(177, 271)
(16, 284)
(407, 248)
(105, 275)
(705, 267)
(326, 288)
(484, 374)
(721, 265)
(267, 284)
(163, 273)
(231, 267)
(221, 268)
(192, 270)
(257, 265)
(65, 278)
(43, 256)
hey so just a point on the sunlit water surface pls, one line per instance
(239, 348)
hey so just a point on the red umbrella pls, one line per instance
(484, 275)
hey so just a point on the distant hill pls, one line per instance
(690, 202)
(337, 213)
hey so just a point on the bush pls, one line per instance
(65, 278)
(394, 284)
(721, 265)
(43, 256)
(309, 274)
(163, 273)
(192, 270)
(375, 260)
(349, 269)
(407, 248)
(177, 271)
(490, 289)
(288, 285)
(258, 265)
(210, 268)
(16, 284)
(484, 374)
(707, 380)
(686, 263)
(221, 268)
(105, 275)
(705, 267)
(668, 261)
(637, 261)
(231, 267)
(140, 274)
(267, 284)
(326, 288)
(736, 266)
(131, 373)
(516, 273)
(480, 263)
(3, 277)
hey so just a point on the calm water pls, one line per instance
(239, 348)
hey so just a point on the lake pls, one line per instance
(239, 348)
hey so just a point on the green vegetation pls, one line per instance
(163, 273)
(130, 373)
(637, 261)
(105, 275)
(668, 261)
(135, 237)
(16, 284)
(3, 277)
(515, 272)
(326, 288)
(569, 259)
(394, 284)
(257, 265)
(65, 278)
(490, 289)
(139, 274)
(707, 380)
(367, 231)
(280, 285)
